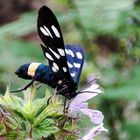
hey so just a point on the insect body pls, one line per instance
(42, 73)
(65, 62)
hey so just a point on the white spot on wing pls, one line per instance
(48, 31)
(48, 56)
(79, 55)
(55, 31)
(56, 66)
(67, 52)
(71, 53)
(77, 65)
(64, 69)
(69, 65)
(55, 54)
(54, 69)
(44, 31)
(72, 74)
(61, 52)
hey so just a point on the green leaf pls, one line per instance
(130, 90)
(24, 25)
(105, 16)
(29, 113)
(11, 135)
(11, 122)
(45, 129)
(10, 101)
(132, 129)
(2, 130)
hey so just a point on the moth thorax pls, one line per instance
(66, 89)
(32, 69)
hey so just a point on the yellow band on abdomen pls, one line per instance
(32, 69)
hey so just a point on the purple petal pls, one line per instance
(94, 131)
(92, 88)
(75, 107)
(91, 91)
(79, 104)
(84, 97)
(95, 116)
(92, 77)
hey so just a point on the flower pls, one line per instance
(93, 132)
(79, 104)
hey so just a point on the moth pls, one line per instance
(65, 62)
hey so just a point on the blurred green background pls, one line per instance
(109, 30)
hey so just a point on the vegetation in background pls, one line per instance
(109, 31)
(48, 118)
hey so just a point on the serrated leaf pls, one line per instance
(2, 130)
(11, 135)
(45, 129)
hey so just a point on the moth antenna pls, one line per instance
(87, 84)
(60, 90)
(86, 91)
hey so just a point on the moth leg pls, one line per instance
(28, 85)
(89, 83)
(38, 83)
(52, 97)
(39, 87)
(48, 101)
(64, 109)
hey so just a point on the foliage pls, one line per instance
(105, 16)
(24, 25)
(31, 117)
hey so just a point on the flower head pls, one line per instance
(79, 105)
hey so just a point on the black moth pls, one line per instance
(65, 61)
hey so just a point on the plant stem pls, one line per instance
(30, 133)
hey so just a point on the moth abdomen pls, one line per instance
(42, 73)
(27, 71)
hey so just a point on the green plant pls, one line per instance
(45, 118)
(29, 117)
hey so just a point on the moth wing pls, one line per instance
(75, 60)
(51, 35)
